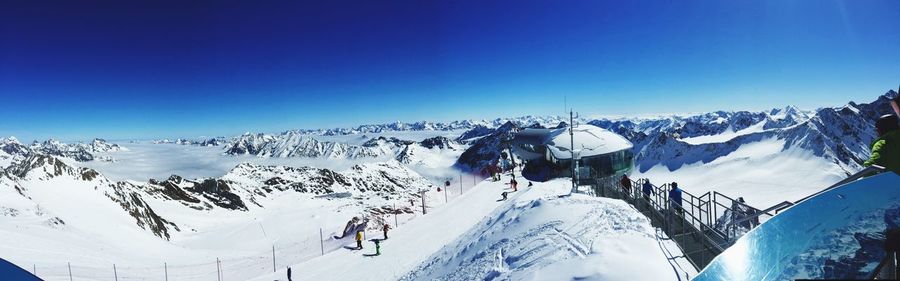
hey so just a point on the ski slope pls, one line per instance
(534, 235)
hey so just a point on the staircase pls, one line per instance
(703, 228)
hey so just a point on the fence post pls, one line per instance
(446, 190)
(396, 222)
(423, 203)
(166, 268)
(218, 270)
(273, 258)
(321, 241)
(70, 270)
(34, 269)
(460, 185)
(115, 273)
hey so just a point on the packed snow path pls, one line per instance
(533, 235)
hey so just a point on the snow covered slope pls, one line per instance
(539, 235)
(534, 235)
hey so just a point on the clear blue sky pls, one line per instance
(144, 69)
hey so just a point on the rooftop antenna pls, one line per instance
(572, 149)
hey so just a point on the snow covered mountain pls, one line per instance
(486, 149)
(841, 135)
(37, 176)
(77, 151)
(296, 144)
(217, 141)
(55, 193)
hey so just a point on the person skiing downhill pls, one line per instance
(886, 148)
(359, 237)
(514, 183)
(385, 229)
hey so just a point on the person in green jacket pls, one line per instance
(886, 148)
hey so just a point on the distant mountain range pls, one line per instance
(77, 151)
(841, 135)
(32, 186)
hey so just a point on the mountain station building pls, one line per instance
(598, 153)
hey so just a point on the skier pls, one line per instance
(675, 198)
(289, 274)
(503, 194)
(514, 183)
(626, 184)
(530, 184)
(886, 148)
(385, 229)
(359, 237)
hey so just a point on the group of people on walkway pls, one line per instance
(647, 190)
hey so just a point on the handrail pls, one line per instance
(865, 172)
(776, 207)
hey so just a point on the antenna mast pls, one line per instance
(572, 149)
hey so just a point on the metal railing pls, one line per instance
(694, 225)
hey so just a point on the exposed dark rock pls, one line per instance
(439, 142)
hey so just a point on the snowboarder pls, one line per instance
(886, 148)
(514, 183)
(289, 274)
(675, 197)
(377, 247)
(359, 237)
(626, 184)
(503, 194)
(385, 229)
